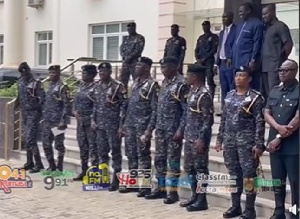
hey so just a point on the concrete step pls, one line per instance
(216, 165)
(264, 207)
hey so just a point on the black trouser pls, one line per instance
(281, 167)
(268, 81)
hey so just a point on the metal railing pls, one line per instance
(68, 75)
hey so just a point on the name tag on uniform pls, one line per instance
(248, 99)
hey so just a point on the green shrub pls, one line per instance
(11, 91)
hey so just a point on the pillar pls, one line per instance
(233, 5)
(168, 15)
(13, 29)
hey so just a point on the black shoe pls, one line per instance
(278, 216)
(60, 162)
(52, 166)
(247, 214)
(144, 192)
(114, 186)
(192, 200)
(79, 177)
(200, 204)
(232, 212)
(188, 202)
(128, 190)
(28, 166)
(157, 194)
(36, 169)
(171, 198)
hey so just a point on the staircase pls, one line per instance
(264, 202)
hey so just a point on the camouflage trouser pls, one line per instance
(86, 138)
(239, 159)
(138, 153)
(109, 140)
(167, 150)
(194, 162)
(127, 70)
(48, 139)
(31, 126)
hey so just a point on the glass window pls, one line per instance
(112, 48)
(98, 29)
(42, 54)
(44, 48)
(112, 28)
(98, 45)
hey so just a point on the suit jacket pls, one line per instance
(228, 44)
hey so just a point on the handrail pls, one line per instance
(10, 103)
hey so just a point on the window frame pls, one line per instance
(49, 43)
(2, 46)
(105, 37)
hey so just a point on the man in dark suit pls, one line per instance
(226, 41)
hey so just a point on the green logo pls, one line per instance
(61, 174)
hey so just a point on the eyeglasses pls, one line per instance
(285, 70)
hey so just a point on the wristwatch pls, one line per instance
(278, 136)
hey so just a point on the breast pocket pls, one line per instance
(290, 106)
(273, 102)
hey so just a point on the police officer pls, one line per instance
(282, 114)
(175, 47)
(170, 125)
(241, 133)
(131, 49)
(30, 100)
(197, 134)
(141, 119)
(55, 116)
(207, 46)
(109, 114)
(82, 110)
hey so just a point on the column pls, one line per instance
(13, 29)
(167, 16)
(231, 5)
(56, 33)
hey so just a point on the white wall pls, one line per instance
(1, 17)
(76, 16)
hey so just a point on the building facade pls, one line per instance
(62, 29)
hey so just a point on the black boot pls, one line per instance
(236, 209)
(29, 164)
(279, 193)
(200, 204)
(143, 192)
(192, 200)
(38, 163)
(114, 186)
(60, 163)
(249, 212)
(80, 176)
(52, 166)
(160, 191)
(128, 190)
(172, 197)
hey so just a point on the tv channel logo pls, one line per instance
(96, 178)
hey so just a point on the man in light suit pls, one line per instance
(224, 59)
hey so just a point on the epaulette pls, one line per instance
(231, 92)
(256, 92)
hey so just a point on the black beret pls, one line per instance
(54, 68)
(197, 69)
(145, 60)
(105, 65)
(206, 23)
(24, 66)
(244, 69)
(90, 69)
(169, 60)
(132, 24)
(174, 26)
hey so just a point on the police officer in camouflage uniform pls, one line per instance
(175, 47)
(197, 134)
(131, 49)
(108, 117)
(30, 100)
(141, 119)
(241, 133)
(82, 110)
(55, 115)
(170, 125)
(206, 48)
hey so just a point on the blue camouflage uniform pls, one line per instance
(242, 127)
(109, 113)
(86, 137)
(55, 113)
(30, 99)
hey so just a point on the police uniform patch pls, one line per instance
(210, 38)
